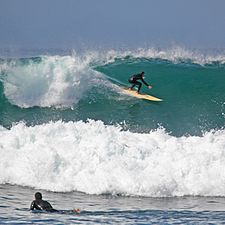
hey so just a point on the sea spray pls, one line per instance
(51, 81)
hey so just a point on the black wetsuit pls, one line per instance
(42, 205)
(133, 80)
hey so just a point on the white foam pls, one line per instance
(55, 81)
(95, 158)
(174, 54)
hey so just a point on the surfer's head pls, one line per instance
(143, 74)
(38, 196)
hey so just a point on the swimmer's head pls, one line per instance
(38, 196)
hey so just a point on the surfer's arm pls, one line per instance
(149, 86)
(76, 210)
(32, 206)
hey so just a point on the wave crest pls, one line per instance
(49, 81)
(64, 80)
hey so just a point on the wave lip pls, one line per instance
(174, 54)
(95, 158)
(50, 81)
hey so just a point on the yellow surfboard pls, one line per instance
(140, 95)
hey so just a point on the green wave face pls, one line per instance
(46, 88)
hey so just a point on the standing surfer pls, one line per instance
(133, 80)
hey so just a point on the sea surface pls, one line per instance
(68, 131)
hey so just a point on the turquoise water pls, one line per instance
(193, 93)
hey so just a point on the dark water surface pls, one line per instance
(108, 209)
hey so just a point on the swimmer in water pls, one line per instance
(41, 204)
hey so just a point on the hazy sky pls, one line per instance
(134, 23)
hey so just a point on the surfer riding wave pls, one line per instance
(133, 80)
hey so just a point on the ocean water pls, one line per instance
(67, 130)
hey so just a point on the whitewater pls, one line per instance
(94, 158)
